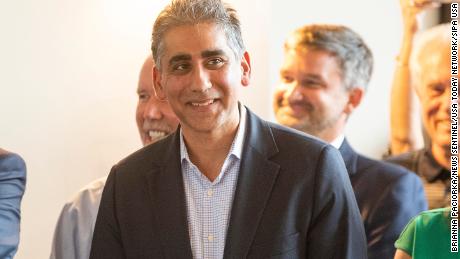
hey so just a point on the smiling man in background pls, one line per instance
(430, 76)
(323, 79)
(74, 230)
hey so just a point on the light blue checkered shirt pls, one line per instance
(209, 203)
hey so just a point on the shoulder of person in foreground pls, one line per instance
(12, 166)
(12, 187)
(126, 184)
(336, 229)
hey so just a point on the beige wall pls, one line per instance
(69, 72)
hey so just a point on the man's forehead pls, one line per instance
(435, 64)
(144, 87)
(433, 55)
(311, 59)
(181, 56)
(195, 40)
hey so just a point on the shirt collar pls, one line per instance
(337, 142)
(236, 148)
(429, 168)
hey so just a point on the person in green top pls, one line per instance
(427, 236)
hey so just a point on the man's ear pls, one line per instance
(245, 69)
(355, 95)
(157, 86)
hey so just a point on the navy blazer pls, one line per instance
(12, 186)
(293, 199)
(388, 197)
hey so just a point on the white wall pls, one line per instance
(69, 72)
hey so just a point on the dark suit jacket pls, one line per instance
(293, 199)
(388, 197)
(12, 186)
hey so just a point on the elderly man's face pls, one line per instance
(434, 92)
(200, 77)
(154, 118)
(311, 96)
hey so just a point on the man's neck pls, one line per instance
(208, 150)
(331, 134)
(441, 155)
(337, 142)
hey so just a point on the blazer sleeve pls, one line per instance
(107, 243)
(336, 230)
(402, 200)
(12, 187)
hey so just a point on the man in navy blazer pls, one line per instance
(323, 78)
(12, 186)
(226, 184)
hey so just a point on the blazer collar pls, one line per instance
(166, 189)
(255, 182)
(350, 157)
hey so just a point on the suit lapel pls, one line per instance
(168, 198)
(255, 182)
(350, 157)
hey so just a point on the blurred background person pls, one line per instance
(74, 230)
(324, 76)
(406, 127)
(429, 69)
(12, 187)
(427, 236)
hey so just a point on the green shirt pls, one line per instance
(427, 236)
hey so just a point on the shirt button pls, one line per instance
(210, 192)
(210, 238)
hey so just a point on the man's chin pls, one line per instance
(290, 124)
(287, 120)
(298, 126)
(147, 140)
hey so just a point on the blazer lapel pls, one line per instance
(255, 181)
(168, 199)
(350, 157)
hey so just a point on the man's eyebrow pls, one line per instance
(311, 76)
(210, 53)
(179, 57)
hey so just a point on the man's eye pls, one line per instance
(143, 97)
(215, 62)
(437, 89)
(311, 84)
(287, 79)
(181, 67)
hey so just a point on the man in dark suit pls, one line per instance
(325, 72)
(226, 184)
(12, 187)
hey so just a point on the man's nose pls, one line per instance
(201, 80)
(293, 92)
(152, 109)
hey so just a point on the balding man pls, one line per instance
(74, 230)
(431, 78)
